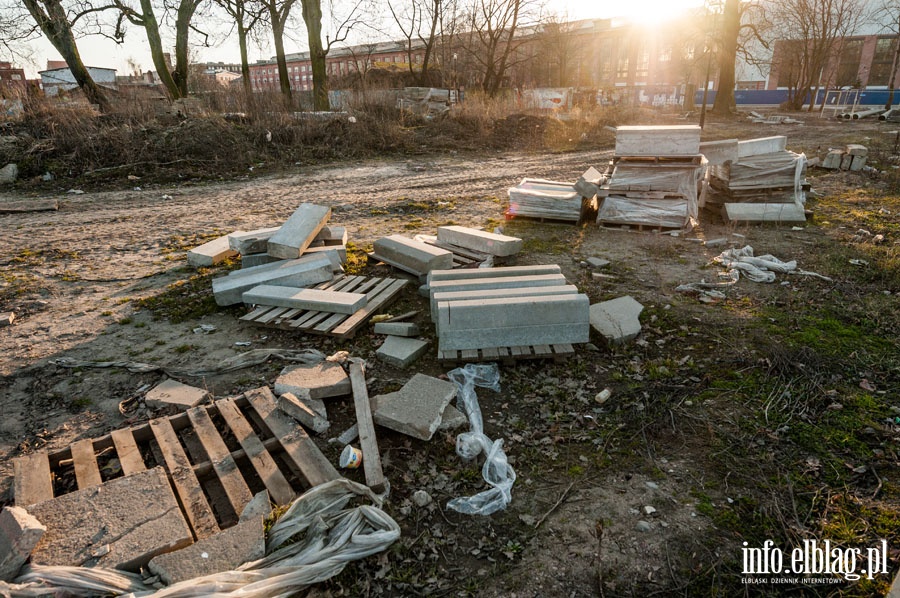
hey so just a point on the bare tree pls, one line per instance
(362, 57)
(492, 39)
(559, 52)
(818, 28)
(57, 23)
(340, 28)
(887, 14)
(279, 11)
(419, 20)
(246, 14)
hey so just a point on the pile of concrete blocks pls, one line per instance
(655, 178)
(761, 181)
(412, 256)
(852, 157)
(480, 241)
(539, 198)
(506, 307)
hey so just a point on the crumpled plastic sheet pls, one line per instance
(243, 360)
(669, 213)
(327, 535)
(496, 471)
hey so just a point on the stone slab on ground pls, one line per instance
(857, 163)
(400, 352)
(298, 231)
(417, 409)
(397, 328)
(303, 413)
(9, 174)
(173, 393)
(617, 320)
(20, 532)
(211, 253)
(504, 293)
(7, 318)
(479, 240)
(303, 272)
(251, 242)
(253, 260)
(224, 551)
(597, 262)
(411, 255)
(763, 212)
(122, 524)
(322, 380)
(452, 419)
(469, 274)
(312, 299)
(855, 149)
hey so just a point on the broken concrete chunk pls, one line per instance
(210, 253)
(332, 235)
(452, 419)
(251, 242)
(321, 380)
(397, 328)
(19, 534)
(411, 255)
(136, 516)
(174, 393)
(298, 231)
(260, 506)
(6, 319)
(401, 352)
(854, 149)
(479, 240)
(417, 409)
(857, 163)
(290, 404)
(617, 320)
(224, 551)
(846, 161)
(597, 262)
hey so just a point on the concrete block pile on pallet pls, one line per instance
(479, 240)
(764, 183)
(506, 307)
(410, 255)
(539, 198)
(306, 271)
(656, 174)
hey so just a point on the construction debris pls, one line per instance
(318, 381)
(312, 299)
(7, 318)
(296, 234)
(302, 272)
(852, 157)
(411, 256)
(765, 184)
(366, 428)
(477, 240)
(408, 329)
(401, 352)
(300, 411)
(539, 198)
(251, 242)
(417, 409)
(211, 252)
(20, 532)
(172, 393)
(617, 320)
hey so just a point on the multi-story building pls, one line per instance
(12, 80)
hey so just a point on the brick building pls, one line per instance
(12, 80)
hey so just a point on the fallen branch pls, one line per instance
(554, 507)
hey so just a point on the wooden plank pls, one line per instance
(129, 455)
(275, 482)
(367, 440)
(348, 326)
(297, 444)
(223, 463)
(490, 353)
(33, 483)
(28, 205)
(519, 351)
(336, 319)
(250, 317)
(469, 354)
(187, 486)
(278, 311)
(542, 350)
(563, 349)
(87, 472)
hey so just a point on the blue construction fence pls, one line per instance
(774, 97)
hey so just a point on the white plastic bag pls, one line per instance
(496, 470)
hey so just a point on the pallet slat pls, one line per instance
(129, 455)
(299, 447)
(33, 482)
(508, 355)
(274, 481)
(223, 463)
(367, 441)
(187, 486)
(349, 326)
(87, 472)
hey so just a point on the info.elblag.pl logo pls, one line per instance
(814, 558)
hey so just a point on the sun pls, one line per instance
(648, 12)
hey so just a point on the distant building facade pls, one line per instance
(56, 80)
(12, 80)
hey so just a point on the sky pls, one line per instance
(102, 52)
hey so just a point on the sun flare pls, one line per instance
(648, 12)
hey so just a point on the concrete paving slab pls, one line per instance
(762, 145)
(169, 393)
(401, 352)
(617, 320)
(122, 524)
(452, 419)
(333, 234)
(257, 259)
(303, 272)
(479, 240)
(298, 231)
(338, 251)
(312, 299)
(211, 253)
(224, 551)
(20, 532)
(486, 284)
(407, 329)
(260, 506)
(417, 409)
(250, 242)
(411, 255)
(470, 273)
(597, 262)
(322, 380)
(300, 411)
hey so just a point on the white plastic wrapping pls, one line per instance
(496, 471)
(326, 535)
(764, 172)
(668, 213)
(539, 198)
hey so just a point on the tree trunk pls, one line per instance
(185, 13)
(731, 19)
(156, 49)
(312, 16)
(245, 62)
(284, 79)
(55, 25)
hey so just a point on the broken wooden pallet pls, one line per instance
(507, 355)
(217, 457)
(380, 292)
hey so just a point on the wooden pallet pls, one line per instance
(692, 160)
(380, 292)
(637, 227)
(217, 457)
(507, 355)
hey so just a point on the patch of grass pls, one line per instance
(357, 259)
(187, 299)
(181, 349)
(126, 320)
